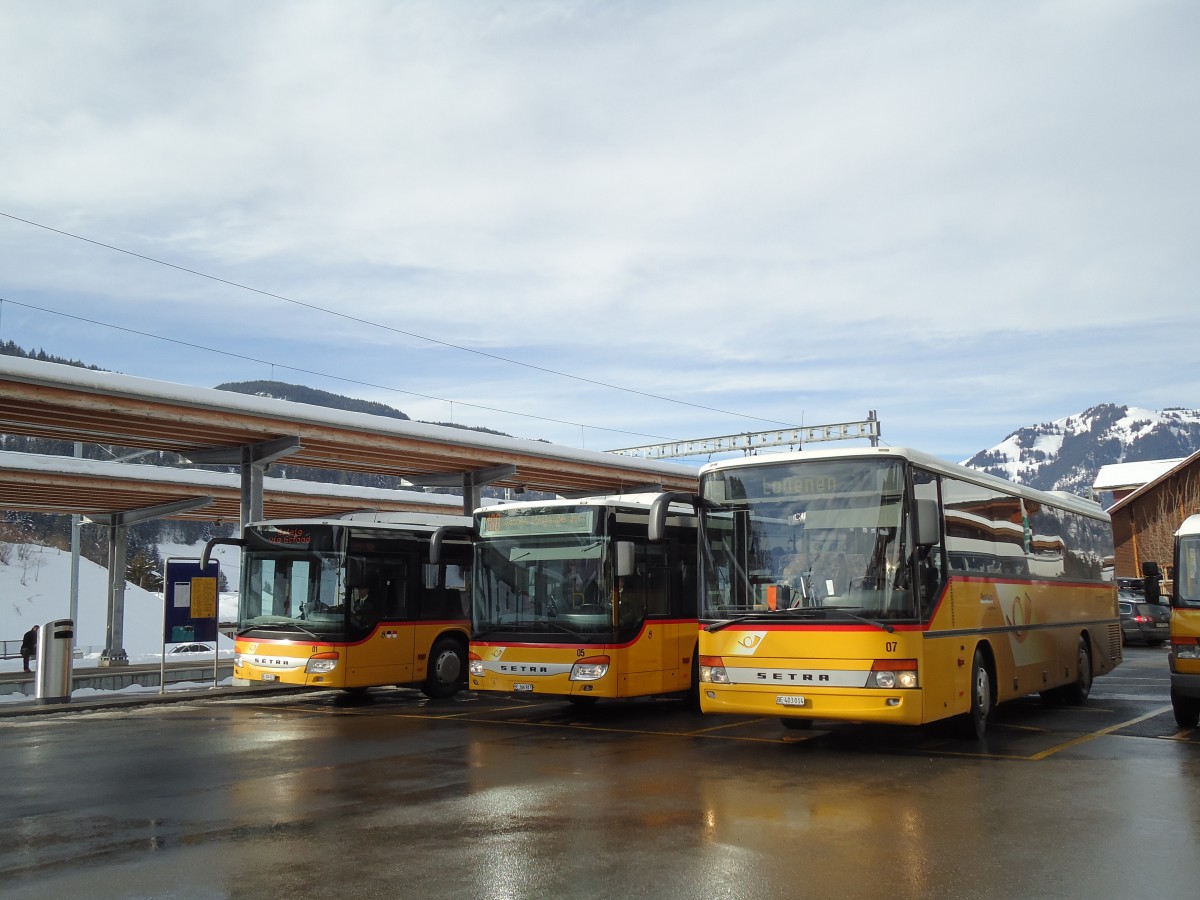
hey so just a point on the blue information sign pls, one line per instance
(190, 601)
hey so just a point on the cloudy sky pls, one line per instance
(614, 223)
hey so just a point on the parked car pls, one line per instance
(191, 648)
(1143, 622)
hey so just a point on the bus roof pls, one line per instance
(1062, 499)
(1190, 526)
(399, 521)
(637, 501)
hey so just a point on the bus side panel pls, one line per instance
(386, 657)
(946, 675)
(1032, 630)
(658, 661)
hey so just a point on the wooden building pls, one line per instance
(1145, 517)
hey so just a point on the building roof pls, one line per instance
(1129, 476)
(1149, 486)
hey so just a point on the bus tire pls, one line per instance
(447, 668)
(1186, 709)
(973, 724)
(1076, 693)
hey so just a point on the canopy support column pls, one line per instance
(253, 460)
(470, 482)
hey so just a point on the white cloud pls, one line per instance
(761, 207)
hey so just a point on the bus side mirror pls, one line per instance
(928, 526)
(656, 528)
(1151, 575)
(207, 554)
(625, 559)
(439, 537)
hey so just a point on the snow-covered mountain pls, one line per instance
(1066, 454)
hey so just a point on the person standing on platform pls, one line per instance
(29, 646)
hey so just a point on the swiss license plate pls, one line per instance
(522, 686)
(1162, 624)
(268, 676)
(790, 700)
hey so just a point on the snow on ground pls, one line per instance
(35, 588)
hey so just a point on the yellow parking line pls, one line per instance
(1083, 739)
(738, 724)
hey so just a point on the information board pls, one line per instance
(190, 601)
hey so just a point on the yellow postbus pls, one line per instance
(886, 585)
(1184, 657)
(352, 603)
(570, 600)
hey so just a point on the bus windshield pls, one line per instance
(814, 540)
(293, 583)
(544, 583)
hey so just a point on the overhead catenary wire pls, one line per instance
(314, 372)
(346, 316)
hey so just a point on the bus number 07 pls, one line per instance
(890, 646)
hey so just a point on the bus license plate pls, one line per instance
(268, 676)
(523, 686)
(789, 700)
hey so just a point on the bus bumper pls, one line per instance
(891, 707)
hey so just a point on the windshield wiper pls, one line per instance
(800, 612)
(279, 626)
(751, 617)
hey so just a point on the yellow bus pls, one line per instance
(1184, 657)
(352, 603)
(570, 600)
(885, 585)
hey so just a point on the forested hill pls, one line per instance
(9, 348)
(298, 393)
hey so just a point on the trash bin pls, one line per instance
(54, 654)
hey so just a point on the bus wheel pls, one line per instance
(1077, 692)
(974, 723)
(1187, 710)
(447, 668)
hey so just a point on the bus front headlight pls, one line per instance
(475, 665)
(889, 674)
(1190, 650)
(593, 668)
(712, 670)
(320, 663)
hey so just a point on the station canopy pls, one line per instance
(49, 400)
